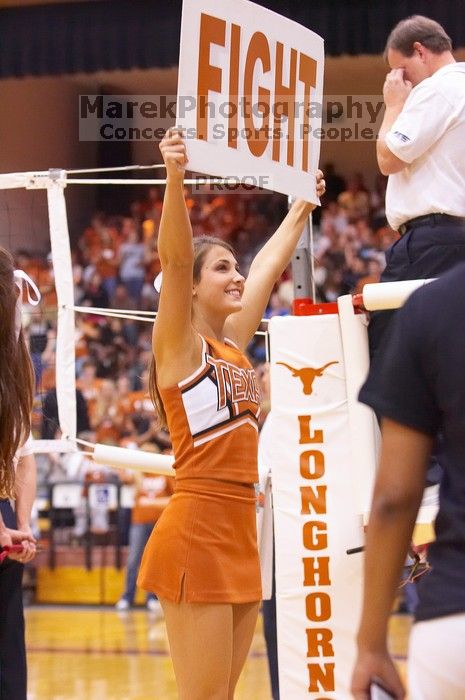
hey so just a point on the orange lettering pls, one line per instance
(222, 375)
(313, 499)
(311, 539)
(234, 383)
(319, 642)
(258, 49)
(257, 107)
(312, 464)
(238, 384)
(321, 677)
(234, 84)
(318, 606)
(316, 567)
(306, 432)
(307, 74)
(212, 31)
(284, 103)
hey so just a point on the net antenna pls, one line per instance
(54, 182)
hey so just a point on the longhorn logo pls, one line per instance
(307, 375)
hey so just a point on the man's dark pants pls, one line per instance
(423, 252)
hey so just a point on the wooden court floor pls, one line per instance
(78, 653)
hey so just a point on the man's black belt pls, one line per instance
(431, 220)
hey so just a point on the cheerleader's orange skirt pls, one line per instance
(203, 548)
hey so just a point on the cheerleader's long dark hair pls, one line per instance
(16, 378)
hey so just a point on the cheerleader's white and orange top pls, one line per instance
(204, 546)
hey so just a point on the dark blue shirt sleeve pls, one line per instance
(400, 385)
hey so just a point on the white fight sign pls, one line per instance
(250, 94)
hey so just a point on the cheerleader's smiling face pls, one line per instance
(221, 285)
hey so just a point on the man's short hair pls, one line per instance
(418, 28)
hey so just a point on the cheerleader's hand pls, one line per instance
(173, 150)
(320, 183)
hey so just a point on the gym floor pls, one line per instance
(96, 653)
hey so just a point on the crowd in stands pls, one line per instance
(115, 261)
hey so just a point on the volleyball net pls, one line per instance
(54, 183)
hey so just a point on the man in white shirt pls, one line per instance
(421, 143)
(421, 146)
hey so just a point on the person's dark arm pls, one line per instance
(396, 499)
